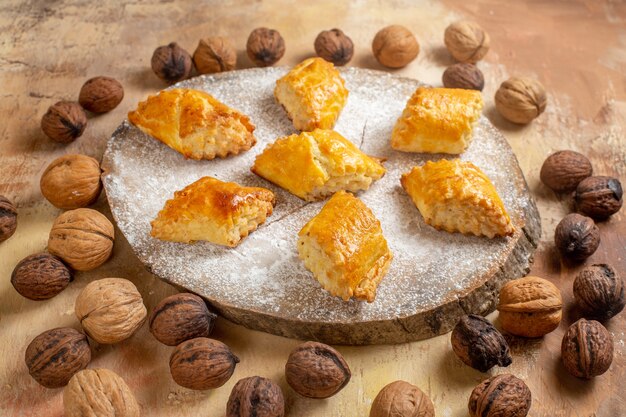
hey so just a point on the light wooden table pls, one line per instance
(47, 50)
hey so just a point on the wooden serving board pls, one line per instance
(434, 279)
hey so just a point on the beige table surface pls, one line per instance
(48, 49)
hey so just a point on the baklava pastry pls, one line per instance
(314, 165)
(345, 248)
(456, 196)
(437, 120)
(194, 123)
(313, 94)
(209, 209)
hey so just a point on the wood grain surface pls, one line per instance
(48, 49)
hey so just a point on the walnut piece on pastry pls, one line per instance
(456, 196)
(344, 247)
(313, 94)
(194, 123)
(314, 165)
(437, 120)
(213, 210)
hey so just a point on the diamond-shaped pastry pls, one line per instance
(314, 165)
(194, 123)
(213, 210)
(437, 120)
(456, 196)
(313, 94)
(345, 248)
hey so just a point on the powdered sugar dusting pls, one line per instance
(263, 274)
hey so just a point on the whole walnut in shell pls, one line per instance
(466, 41)
(171, 63)
(599, 291)
(564, 170)
(530, 307)
(40, 276)
(395, 46)
(8, 218)
(478, 344)
(71, 181)
(255, 396)
(401, 399)
(265, 47)
(101, 94)
(587, 349)
(101, 393)
(500, 396)
(577, 237)
(599, 196)
(82, 238)
(520, 99)
(214, 54)
(110, 310)
(334, 46)
(64, 121)
(463, 75)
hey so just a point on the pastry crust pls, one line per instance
(456, 196)
(213, 210)
(194, 123)
(313, 94)
(314, 165)
(437, 120)
(345, 248)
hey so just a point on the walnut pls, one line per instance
(101, 94)
(71, 181)
(395, 46)
(64, 121)
(316, 370)
(466, 41)
(564, 170)
(214, 54)
(577, 237)
(82, 238)
(462, 75)
(599, 291)
(478, 344)
(401, 399)
(587, 349)
(520, 100)
(40, 276)
(499, 396)
(181, 317)
(8, 218)
(202, 363)
(57, 354)
(110, 310)
(171, 63)
(334, 46)
(255, 396)
(530, 307)
(99, 392)
(599, 197)
(265, 47)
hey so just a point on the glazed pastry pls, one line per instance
(314, 165)
(194, 123)
(437, 120)
(313, 94)
(213, 210)
(345, 248)
(456, 196)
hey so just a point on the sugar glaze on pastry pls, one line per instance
(456, 196)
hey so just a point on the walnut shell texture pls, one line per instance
(101, 94)
(255, 396)
(500, 396)
(599, 292)
(334, 46)
(564, 170)
(214, 54)
(521, 99)
(56, 355)
(71, 181)
(466, 41)
(530, 307)
(64, 121)
(181, 317)
(587, 349)
(171, 63)
(99, 393)
(401, 399)
(395, 46)
(8, 218)
(265, 47)
(478, 344)
(110, 310)
(40, 276)
(463, 75)
(577, 237)
(316, 370)
(82, 238)
(599, 197)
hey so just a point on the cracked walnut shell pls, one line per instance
(71, 181)
(500, 396)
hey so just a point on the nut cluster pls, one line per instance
(395, 46)
(501, 395)
(71, 181)
(401, 399)
(479, 344)
(8, 218)
(40, 276)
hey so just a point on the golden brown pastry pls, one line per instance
(457, 196)
(437, 120)
(213, 210)
(313, 94)
(314, 165)
(345, 248)
(194, 123)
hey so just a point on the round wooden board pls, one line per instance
(434, 279)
